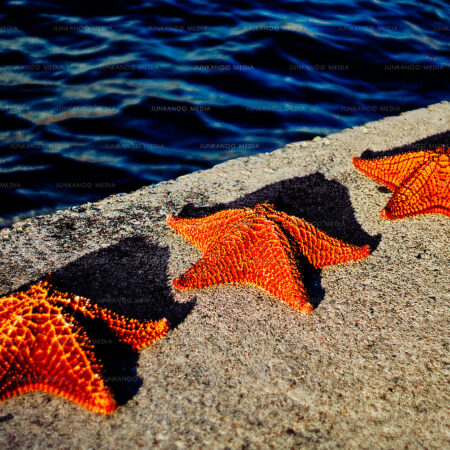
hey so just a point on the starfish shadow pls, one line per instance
(430, 142)
(130, 278)
(324, 203)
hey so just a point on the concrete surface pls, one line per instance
(239, 369)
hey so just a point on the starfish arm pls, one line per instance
(52, 355)
(426, 191)
(8, 354)
(202, 232)
(257, 254)
(276, 272)
(391, 170)
(317, 246)
(321, 249)
(138, 334)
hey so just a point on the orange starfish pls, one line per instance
(420, 181)
(43, 347)
(259, 246)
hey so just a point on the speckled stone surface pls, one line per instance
(239, 369)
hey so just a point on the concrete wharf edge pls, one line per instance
(239, 369)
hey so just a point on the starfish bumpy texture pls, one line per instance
(44, 347)
(259, 246)
(420, 181)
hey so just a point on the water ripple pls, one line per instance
(104, 97)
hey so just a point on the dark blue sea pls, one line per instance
(102, 97)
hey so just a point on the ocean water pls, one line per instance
(104, 97)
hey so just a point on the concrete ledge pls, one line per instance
(365, 370)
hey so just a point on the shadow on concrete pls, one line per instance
(428, 143)
(324, 203)
(130, 278)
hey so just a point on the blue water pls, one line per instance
(100, 97)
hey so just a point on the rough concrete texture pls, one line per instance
(240, 369)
